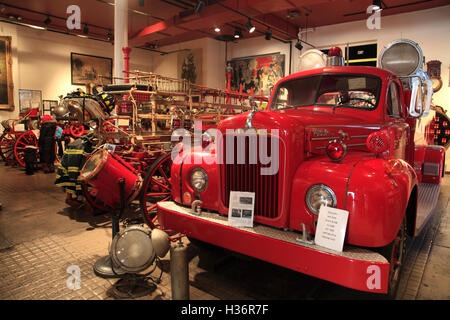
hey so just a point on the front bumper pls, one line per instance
(355, 267)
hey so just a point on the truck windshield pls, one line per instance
(336, 90)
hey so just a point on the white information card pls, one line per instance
(241, 209)
(331, 228)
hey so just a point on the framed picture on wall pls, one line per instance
(48, 106)
(257, 73)
(29, 99)
(87, 69)
(190, 65)
(6, 80)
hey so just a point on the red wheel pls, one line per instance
(156, 187)
(107, 126)
(77, 130)
(7, 141)
(25, 139)
(90, 193)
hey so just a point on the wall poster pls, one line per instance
(86, 69)
(6, 80)
(257, 72)
(190, 65)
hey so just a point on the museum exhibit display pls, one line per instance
(224, 150)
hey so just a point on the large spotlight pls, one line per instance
(249, 26)
(401, 57)
(132, 249)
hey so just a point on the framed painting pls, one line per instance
(190, 65)
(6, 80)
(29, 99)
(257, 72)
(87, 69)
(48, 106)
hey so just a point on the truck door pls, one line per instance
(398, 128)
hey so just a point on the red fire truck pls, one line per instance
(354, 138)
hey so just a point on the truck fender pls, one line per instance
(378, 195)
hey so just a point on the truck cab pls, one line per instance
(354, 138)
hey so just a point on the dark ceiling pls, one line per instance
(156, 23)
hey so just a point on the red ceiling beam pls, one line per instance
(217, 14)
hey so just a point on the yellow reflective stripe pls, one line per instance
(74, 151)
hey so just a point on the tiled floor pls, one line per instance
(41, 237)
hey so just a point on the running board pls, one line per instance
(428, 197)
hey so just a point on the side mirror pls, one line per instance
(415, 104)
(428, 94)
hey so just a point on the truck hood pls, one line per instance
(295, 117)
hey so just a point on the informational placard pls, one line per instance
(241, 210)
(331, 228)
(110, 147)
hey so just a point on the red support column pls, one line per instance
(126, 62)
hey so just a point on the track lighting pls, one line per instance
(377, 5)
(299, 45)
(237, 34)
(85, 29)
(47, 21)
(199, 6)
(249, 26)
(268, 34)
(110, 36)
(217, 29)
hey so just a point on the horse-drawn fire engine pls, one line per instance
(137, 119)
(353, 138)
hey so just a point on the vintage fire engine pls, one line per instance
(354, 138)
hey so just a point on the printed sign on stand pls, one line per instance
(241, 210)
(110, 147)
(331, 228)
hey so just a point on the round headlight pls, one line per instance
(132, 249)
(318, 195)
(199, 179)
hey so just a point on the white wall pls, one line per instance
(41, 61)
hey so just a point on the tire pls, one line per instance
(395, 253)
(156, 187)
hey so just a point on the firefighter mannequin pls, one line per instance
(47, 144)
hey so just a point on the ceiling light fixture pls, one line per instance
(110, 36)
(299, 45)
(85, 29)
(249, 26)
(217, 29)
(237, 34)
(268, 34)
(377, 5)
(199, 6)
(47, 21)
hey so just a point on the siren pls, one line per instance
(335, 57)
